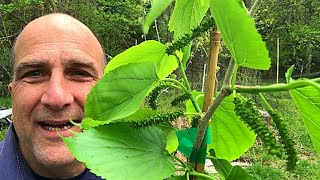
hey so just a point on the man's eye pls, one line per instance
(80, 74)
(34, 74)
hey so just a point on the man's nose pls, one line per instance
(57, 94)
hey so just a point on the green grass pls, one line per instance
(5, 101)
(2, 134)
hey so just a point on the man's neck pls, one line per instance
(78, 177)
(59, 173)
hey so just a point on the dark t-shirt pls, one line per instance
(79, 177)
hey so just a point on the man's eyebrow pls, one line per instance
(31, 64)
(83, 63)
(80, 62)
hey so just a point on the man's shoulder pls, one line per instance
(90, 176)
(2, 144)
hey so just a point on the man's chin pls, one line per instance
(57, 156)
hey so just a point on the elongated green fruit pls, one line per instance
(286, 139)
(187, 38)
(179, 99)
(152, 98)
(249, 114)
(157, 119)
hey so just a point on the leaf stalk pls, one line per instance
(278, 87)
(194, 173)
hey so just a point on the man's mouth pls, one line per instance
(57, 126)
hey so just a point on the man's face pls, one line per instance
(54, 70)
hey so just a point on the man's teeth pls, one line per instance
(65, 127)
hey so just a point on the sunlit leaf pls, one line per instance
(238, 173)
(157, 8)
(146, 51)
(116, 151)
(240, 35)
(186, 54)
(222, 166)
(120, 92)
(172, 140)
(307, 99)
(186, 15)
(231, 138)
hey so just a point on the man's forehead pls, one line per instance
(56, 28)
(53, 25)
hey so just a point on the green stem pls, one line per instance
(179, 84)
(277, 87)
(234, 77)
(230, 71)
(191, 113)
(210, 157)
(175, 86)
(186, 82)
(193, 173)
(181, 169)
(180, 161)
(266, 102)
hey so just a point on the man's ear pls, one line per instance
(10, 88)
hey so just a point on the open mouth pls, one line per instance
(57, 126)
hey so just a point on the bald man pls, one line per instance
(56, 61)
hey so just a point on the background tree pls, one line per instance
(296, 23)
(117, 24)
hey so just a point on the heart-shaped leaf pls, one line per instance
(117, 151)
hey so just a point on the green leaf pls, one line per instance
(144, 52)
(88, 123)
(238, 173)
(172, 140)
(222, 166)
(158, 6)
(289, 73)
(189, 106)
(186, 15)
(120, 93)
(231, 138)
(240, 35)
(140, 115)
(186, 54)
(116, 151)
(178, 178)
(307, 100)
